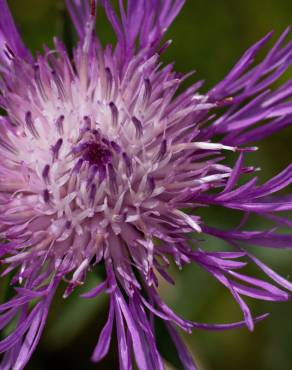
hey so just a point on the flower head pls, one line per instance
(102, 161)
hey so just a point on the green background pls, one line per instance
(208, 36)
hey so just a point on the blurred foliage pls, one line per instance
(209, 37)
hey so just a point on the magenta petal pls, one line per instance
(104, 340)
(94, 292)
(9, 36)
(183, 353)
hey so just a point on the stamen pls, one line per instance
(150, 184)
(128, 164)
(105, 141)
(147, 91)
(58, 83)
(8, 55)
(138, 126)
(116, 147)
(79, 148)
(92, 194)
(59, 124)
(109, 82)
(45, 173)
(92, 173)
(115, 114)
(102, 174)
(39, 82)
(30, 125)
(87, 123)
(46, 196)
(112, 178)
(162, 150)
(56, 148)
(9, 52)
(78, 166)
(7, 146)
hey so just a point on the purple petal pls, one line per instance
(104, 340)
(182, 350)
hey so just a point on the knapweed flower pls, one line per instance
(103, 162)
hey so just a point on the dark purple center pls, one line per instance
(97, 153)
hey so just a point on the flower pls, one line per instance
(103, 162)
